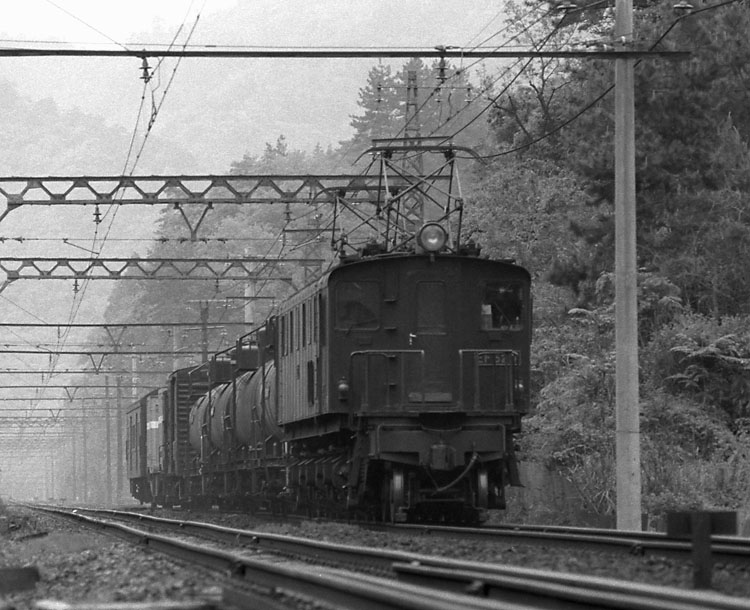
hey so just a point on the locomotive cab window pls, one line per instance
(358, 306)
(502, 306)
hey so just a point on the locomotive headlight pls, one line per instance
(432, 237)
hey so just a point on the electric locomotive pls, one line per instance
(391, 386)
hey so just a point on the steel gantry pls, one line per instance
(102, 268)
(180, 190)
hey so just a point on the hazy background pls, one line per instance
(217, 110)
(80, 116)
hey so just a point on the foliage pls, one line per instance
(691, 148)
(572, 432)
(521, 210)
(701, 245)
(706, 360)
(279, 158)
(588, 335)
(690, 457)
(434, 98)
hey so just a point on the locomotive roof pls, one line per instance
(322, 281)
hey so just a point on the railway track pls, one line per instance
(379, 578)
(728, 549)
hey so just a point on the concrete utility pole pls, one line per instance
(627, 432)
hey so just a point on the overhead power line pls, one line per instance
(333, 53)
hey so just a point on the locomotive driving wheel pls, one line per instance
(393, 495)
(483, 493)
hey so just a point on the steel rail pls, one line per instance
(327, 585)
(733, 549)
(512, 587)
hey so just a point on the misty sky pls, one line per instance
(228, 107)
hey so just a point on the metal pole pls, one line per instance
(120, 454)
(204, 331)
(52, 493)
(85, 457)
(108, 424)
(627, 433)
(73, 462)
(249, 302)
(47, 478)
(173, 336)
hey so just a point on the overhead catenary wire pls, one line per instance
(79, 296)
(88, 25)
(457, 73)
(606, 91)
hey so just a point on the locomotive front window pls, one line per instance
(358, 306)
(502, 306)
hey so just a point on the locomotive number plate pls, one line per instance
(490, 359)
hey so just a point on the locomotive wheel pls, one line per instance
(397, 492)
(482, 488)
(392, 496)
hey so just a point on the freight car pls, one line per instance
(392, 385)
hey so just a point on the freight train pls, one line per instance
(390, 387)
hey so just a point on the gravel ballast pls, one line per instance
(76, 565)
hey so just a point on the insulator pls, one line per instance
(683, 5)
(97, 215)
(468, 98)
(566, 5)
(441, 71)
(145, 76)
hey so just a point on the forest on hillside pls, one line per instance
(543, 194)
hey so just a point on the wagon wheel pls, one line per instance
(482, 488)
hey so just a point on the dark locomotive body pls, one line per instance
(390, 386)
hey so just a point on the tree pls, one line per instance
(437, 101)
(688, 115)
